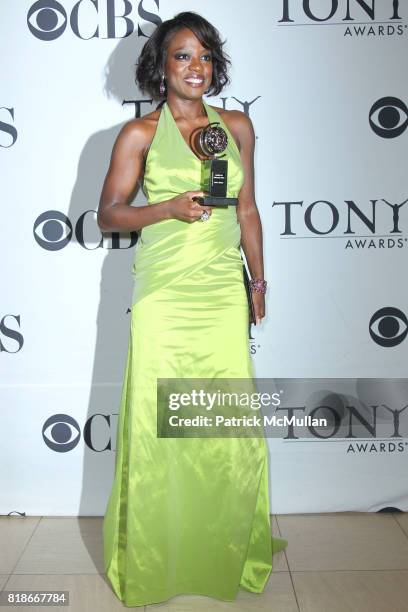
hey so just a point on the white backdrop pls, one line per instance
(326, 90)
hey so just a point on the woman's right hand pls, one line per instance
(185, 208)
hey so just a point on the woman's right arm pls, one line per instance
(125, 169)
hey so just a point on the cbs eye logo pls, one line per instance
(61, 433)
(388, 117)
(47, 19)
(388, 326)
(52, 230)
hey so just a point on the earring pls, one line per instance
(162, 87)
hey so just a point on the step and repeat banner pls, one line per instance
(324, 84)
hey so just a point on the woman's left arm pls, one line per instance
(247, 210)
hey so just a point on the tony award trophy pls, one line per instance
(211, 142)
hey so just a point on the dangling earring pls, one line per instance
(162, 87)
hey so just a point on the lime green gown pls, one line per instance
(186, 515)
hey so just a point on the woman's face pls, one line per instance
(188, 69)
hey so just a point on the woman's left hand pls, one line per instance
(259, 306)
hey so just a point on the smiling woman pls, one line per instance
(170, 49)
(185, 515)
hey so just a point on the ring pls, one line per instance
(205, 216)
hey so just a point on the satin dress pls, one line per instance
(186, 515)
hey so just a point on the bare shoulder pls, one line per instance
(137, 134)
(239, 124)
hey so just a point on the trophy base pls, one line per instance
(214, 201)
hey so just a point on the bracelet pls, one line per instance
(258, 285)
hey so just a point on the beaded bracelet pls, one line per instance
(258, 285)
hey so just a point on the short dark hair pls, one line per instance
(152, 58)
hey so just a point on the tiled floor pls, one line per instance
(346, 562)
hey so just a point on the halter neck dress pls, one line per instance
(186, 515)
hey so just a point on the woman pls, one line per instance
(185, 515)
